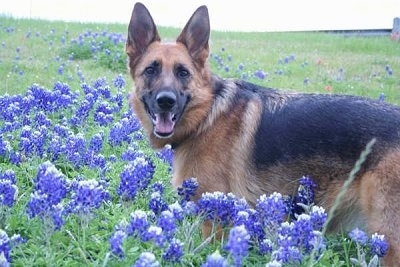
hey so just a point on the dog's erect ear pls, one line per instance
(195, 35)
(141, 32)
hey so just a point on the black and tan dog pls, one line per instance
(234, 136)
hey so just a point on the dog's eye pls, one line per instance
(150, 71)
(182, 73)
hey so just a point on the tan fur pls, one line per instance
(215, 140)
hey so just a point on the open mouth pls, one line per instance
(164, 123)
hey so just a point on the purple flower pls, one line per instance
(238, 244)
(103, 114)
(176, 210)
(318, 217)
(260, 74)
(174, 251)
(8, 188)
(288, 254)
(154, 233)
(49, 190)
(217, 206)
(6, 244)
(116, 241)
(146, 259)
(358, 236)
(167, 223)
(215, 260)
(166, 155)
(96, 143)
(266, 246)
(132, 153)
(188, 189)
(135, 177)
(271, 210)
(378, 245)
(119, 81)
(138, 223)
(157, 203)
(88, 195)
(120, 131)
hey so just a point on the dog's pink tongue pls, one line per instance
(164, 123)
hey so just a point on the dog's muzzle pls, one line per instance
(164, 120)
(165, 107)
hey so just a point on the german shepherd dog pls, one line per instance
(238, 137)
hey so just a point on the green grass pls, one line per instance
(347, 65)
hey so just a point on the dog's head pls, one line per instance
(172, 81)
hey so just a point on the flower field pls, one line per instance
(80, 186)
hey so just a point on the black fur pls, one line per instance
(306, 125)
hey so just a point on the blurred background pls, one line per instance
(248, 15)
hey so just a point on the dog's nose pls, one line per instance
(166, 100)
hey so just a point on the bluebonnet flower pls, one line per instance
(75, 149)
(158, 187)
(146, 259)
(103, 114)
(57, 215)
(378, 245)
(266, 246)
(288, 254)
(318, 217)
(55, 147)
(87, 195)
(121, 130)
(271, 210)
(388, 70)
(304, 198)
(83, 111)
(93, 160)
(358, 236)
(303, 234)
(260, 74)
(116, 242)
(215, 260)
(6, 244)
(138, 223)
(188, 189)
(132, 153)
(4, 147)
(167, 222)
(166, 155)
(157, 202)
(135, 177)
(119, 81)
(96, 143)
(155, 234)
(50, 189)
(238, 244)
(218, 207)
(8, 188)
(174, 251)
(15, 157)
(176, 210)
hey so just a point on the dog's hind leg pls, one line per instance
(380, 202)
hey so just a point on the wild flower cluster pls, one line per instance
(6, 244)
(266, 229)
(68, 133)
(376, 246)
